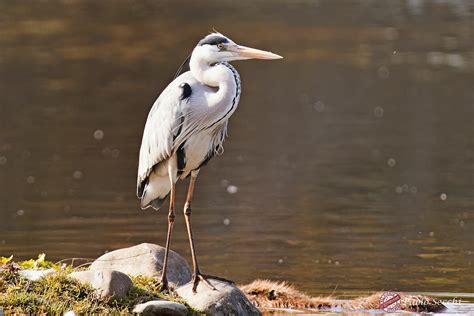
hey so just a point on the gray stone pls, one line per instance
(106, 282)
(161, 308)
(145, 259)
(226, 299)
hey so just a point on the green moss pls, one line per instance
(57, 293)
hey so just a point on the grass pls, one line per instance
(57, 293)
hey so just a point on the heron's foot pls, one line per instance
(203, 277)
(164, 286)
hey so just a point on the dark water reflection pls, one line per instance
(352, 159)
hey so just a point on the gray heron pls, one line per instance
(186, 127)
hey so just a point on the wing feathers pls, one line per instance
(163, 126)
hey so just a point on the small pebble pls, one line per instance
(77, 175)
(280, 261)
(226, 222)
(443, 196)
(30, 180)
(20, 212)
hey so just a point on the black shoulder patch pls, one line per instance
(186, 90)
(181, 157)
(213, 40)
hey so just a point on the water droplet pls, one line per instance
(383, 72)
(106, 151)
(319, 106)
(455, 60)
(30, 180)
(232, 189)
(99, 134)
(413, 189)
(432, 234)
(44, 193)
(224, 183)
(115, 153)
(443, 196)
(329, 261)
(391, 162)
(399, 189)
(336, 263)
(67, 209)
(20, 212)
(280, 261)
(405, 188)
(3, 160)
(77, 175)
(26, 154)
(378, 111)
(461, 223)
(226, 222)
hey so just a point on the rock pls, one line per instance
(145, 259)
(227, 299)
(161, 308)
(106, 282)
(35, 275)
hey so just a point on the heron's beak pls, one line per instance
(247, 53)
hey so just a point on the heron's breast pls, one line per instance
(196, 149)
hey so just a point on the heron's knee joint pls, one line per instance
(187, 209)
(171, 216)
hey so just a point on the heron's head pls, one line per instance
(216, 47)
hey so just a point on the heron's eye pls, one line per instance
(220, 46)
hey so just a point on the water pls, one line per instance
(349, 164)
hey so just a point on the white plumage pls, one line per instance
(187, 125)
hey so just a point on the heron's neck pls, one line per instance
(215, 75)
(222, 76)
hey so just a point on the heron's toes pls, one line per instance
(204, 278)
(164, 286)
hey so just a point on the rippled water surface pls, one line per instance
(348, 167)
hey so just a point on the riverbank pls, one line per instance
(125, 281)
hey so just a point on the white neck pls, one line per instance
(219, 76)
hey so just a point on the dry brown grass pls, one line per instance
(266, 294)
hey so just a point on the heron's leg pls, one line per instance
(171, 216)
(197, 275)
(187, 216)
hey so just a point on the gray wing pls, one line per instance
(163, 125)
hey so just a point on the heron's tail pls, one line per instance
(155, 192)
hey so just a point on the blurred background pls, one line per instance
(348, 167)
